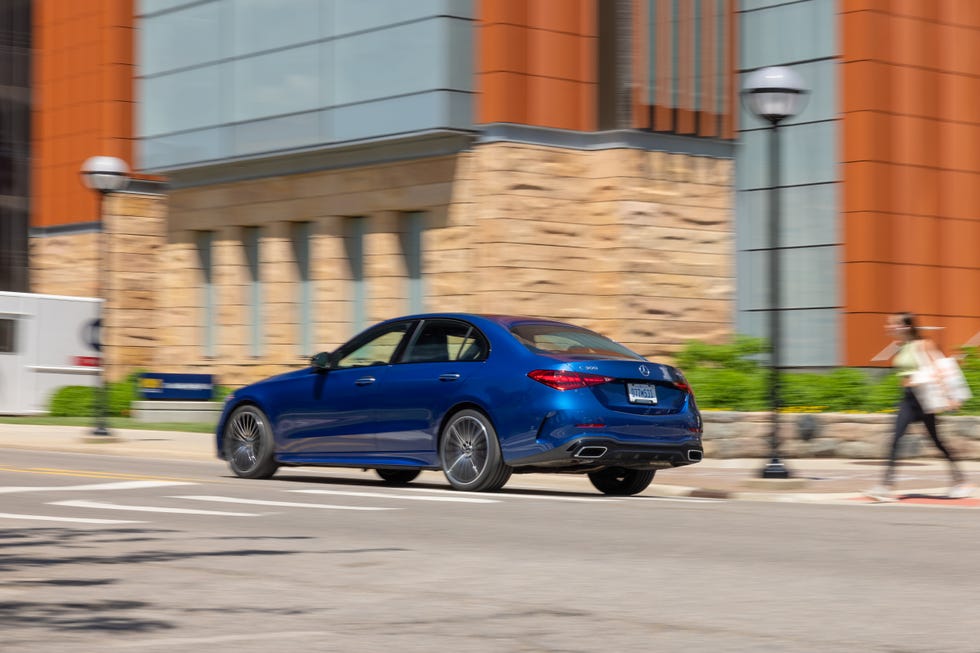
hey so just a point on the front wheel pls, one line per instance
(617, 481)
(248, 444)
(470, 453)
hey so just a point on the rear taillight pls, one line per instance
(564, 380)
(685, 387)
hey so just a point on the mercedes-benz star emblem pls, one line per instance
(644, 370)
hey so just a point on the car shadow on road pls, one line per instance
(378, 484)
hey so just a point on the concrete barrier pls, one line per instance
(177, 411)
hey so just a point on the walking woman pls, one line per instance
(914, 349)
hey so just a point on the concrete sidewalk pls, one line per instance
(922, 480)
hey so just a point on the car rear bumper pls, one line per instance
(586, 453)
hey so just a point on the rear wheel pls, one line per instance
(248, 444)
(617, 481)
(398, 476)
(470, 453)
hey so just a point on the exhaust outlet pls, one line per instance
(591, 452)
(694, 455)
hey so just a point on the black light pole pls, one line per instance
(104, 174)
(774, 94)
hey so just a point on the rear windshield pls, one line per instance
(568, 340)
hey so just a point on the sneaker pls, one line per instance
(880, 494)
(960, 491)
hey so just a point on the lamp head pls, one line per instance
(774, 93)
(105, 173)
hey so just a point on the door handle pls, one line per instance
(449, 377)
(365, 380)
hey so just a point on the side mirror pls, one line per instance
(322, 361)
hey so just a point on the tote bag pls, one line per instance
(938, 384)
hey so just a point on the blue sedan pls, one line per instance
(479, 397)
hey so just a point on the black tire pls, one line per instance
(470, 453)
(620, 482)
(398, 476)
(248, 444)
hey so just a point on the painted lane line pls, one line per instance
(503, 496)
(280, 504)
(73, 520)
(120, 485)
(55, 471)
(681, 499)
(379, 495)
(98, 505)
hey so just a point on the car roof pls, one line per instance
(505, 321)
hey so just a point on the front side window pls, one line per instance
(441, 341)
(378, 348)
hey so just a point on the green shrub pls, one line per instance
(72, 401)
(79, 401)
(730, 377)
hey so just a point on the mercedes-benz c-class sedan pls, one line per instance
(479, 397)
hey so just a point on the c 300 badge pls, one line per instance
(644, 370)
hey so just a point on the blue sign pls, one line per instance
(153, 385)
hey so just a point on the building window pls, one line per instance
(8, 336)
(251, 241)
(354, 243)
(301, 234)
(205, 245)
(411, 237)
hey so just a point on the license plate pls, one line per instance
(642, 393)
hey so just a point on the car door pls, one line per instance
(429, 377)
(335, 411)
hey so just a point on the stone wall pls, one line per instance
(635, 244)
(832, 435)
(126, 270)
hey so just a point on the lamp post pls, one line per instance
(105, 174)
(774, 94)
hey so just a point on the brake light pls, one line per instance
(686, 387)
(565, 380)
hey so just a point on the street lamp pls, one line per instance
(774, 94)
(105, 174)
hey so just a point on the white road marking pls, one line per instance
(379, 495)
(282, 504)
(501, 496)
(75, 520)
(681, 499)
(98, 505)
(118, 485)
(183, 643)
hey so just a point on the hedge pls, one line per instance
(731, 377)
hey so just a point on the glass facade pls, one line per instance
(15, 138)
(253, 77)
(800, 35)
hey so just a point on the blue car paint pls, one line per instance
(396, 421)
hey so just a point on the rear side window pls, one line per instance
(566, 339)
(441, 341)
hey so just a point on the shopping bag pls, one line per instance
(930, 392)
(953, 379)
(938, 383)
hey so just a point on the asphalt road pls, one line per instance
(99, 553)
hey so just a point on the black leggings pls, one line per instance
(910, 411)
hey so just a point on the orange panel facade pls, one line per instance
(910, 99)
(536, 63)
(83, 103)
